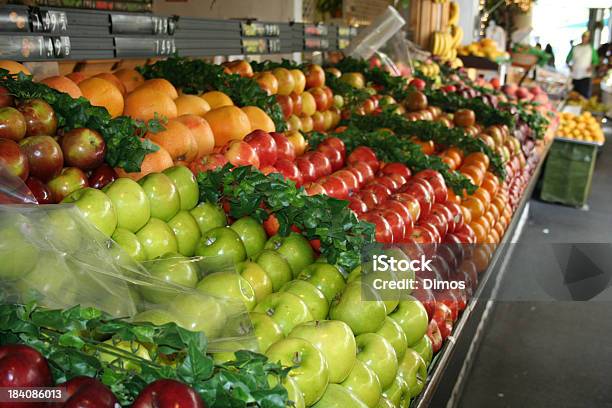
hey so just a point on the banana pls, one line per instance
(436, 44)
(453, 17)
(457, 35)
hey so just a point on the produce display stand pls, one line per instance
(452, 364)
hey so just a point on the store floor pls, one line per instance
(546, 353)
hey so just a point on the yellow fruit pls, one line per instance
(217, 99)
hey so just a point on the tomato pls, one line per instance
(271, 225)
(322, 164)
(421, 193)
(366, 155)
(402, 209)
(358, 206)
(334, 156)
(388, 182)
(396, 168)
(381, 191)
(384, 233)
(307, 169)
(336, 187)
(352, 182)
(411, 202)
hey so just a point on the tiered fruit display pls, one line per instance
(289, 267)
(583, 127)
(445, 44)
(485, 48)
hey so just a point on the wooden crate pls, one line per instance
(427, 17)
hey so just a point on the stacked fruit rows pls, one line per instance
(306, 312)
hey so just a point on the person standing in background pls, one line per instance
(549, 51)
(581, 60)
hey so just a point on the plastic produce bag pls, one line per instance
(376, 34)
(52, 256)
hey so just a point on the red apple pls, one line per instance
(384, 233)
(102, 176)
(284, 147)
(449, 299)
(240, 153)
(44, 156)
(6, 99)
(39, 190)
(286, 104)
(289, 171)
(83, 148)
(433, 332)
(15, 161)
(307, 168)
(398, 227)
(335, 187)
(82, 391)
(424, 295)
(433, 230)
(364, 169)
(330, 96)
(320, 98)
(69, 180)
(381, 191)
(421, 193)
(411, 202)
(443, 210)
(435, 179)
(442, 317)
(466, 234)
(264, 145)
(418, 83)
(390, 169)
(209, 162)
(337, 144)
(315, 76)
(456, 215)
(297, 103)
(402, 209)
(39, 117)
(391, 183)
(23, 367)
(321, 162)
(167, 393)
(366, 155)
(334, 156)
(421, 235)
(358, 206)
(352, 182)
(12, 124)
(370, 199)
(314, 189)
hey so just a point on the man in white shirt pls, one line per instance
(581, 60)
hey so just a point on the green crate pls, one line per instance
(568, 173)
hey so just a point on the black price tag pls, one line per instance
(54, 22)
(14, 20)
(61, 47)
(144, 47)
(142, 24)
(254, 45)
(31, 47)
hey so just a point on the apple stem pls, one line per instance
(296, 358)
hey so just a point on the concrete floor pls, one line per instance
(542, 352)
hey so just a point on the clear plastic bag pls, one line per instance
(376, 34)
(52, 255)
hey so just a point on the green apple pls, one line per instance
(378, 354)
(310, 370)
(413, 370)
(335, 340)
(294, 393)
(163, 195)
(223, 357)
(187, 185)
(275, 266)
(128, 241)
(63, 230)
(266, 330)
(209, 216)
(220, 249)
(396, 391)
(363, 316)
(354, 275)
(158, 317)
(364, 384)
(377, 280)
(157, 238)
(337, 396)
(229, 285)
(384, 402)
(252, 234)
(424, 348)
(18, 255)
(186, 231)
(201, 313)
(286, 309)
(96, 207)
(412, 317)
(51, 283)
(131, 203)
(257, 278)
(325, 277)
(134, 349)
(295, 248)
(393, 332)
(172, 268)
(313, 297)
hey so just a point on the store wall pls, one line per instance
(468, 19)
(265, 10)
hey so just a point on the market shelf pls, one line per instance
(452, 362)
(48, 34)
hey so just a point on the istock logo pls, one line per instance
(384, 263)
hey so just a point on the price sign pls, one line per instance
(274, 45)
(61, 47)
(316, 30)
(344, 31)
(316, 44)
(54, 22)
(254, 45)
(14, 20)
(142, 24)
(144, 47)
(31, 47)
(254, 29)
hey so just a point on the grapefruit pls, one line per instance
(144, 103)
(177, 140)
(201, 131)
(155, 162)
(63, 84)
(259, 119)
(228, 123)
(76, 77)
(160, 85)
(191, 104)
(100, 92)
(130, 78)
(216, 99)
(13, 67)
(113, 80)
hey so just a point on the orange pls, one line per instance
(217, 99)
(482, 221)
(494, 236)
(474, 172)
(480, 257)
(160, 85)
(490, 217)
(484, 196)
(13, 67)
(130, 78)
(259, 119)
(201, 131)
(500, 228)
(499, 203)
(455, 153)
(100, 92)
(178, 141)
(479, 231)
(153, 163)
(507, 213)
(191, 105)
(113, 80)
(452, 197)
(144, 103)
(494, 213)
(452, 164)
(63, 84)
(475, 206)
(76, 77)
(477, 157)
(490, 183)
(228, 123)
(467, 214)
(426, 146)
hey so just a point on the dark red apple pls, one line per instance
(307, 168)
(321, 162)
(336, 143)
(384, 233)
(12, 124)
(69, 180)
(390, 169)
(286, 104)
(39, 190)
(167, 393)
(6, 99)
(102, 176)
(334, 155)
(264, 145)
(366, 155)
(357, 205)
(284, 147)
(15, 161)
(315, 76)
(336, 187)
(83, 148)
(44, 156)
(23, 366)
(39, 117)
(434, 334)
(289, 171)
(85, 392)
